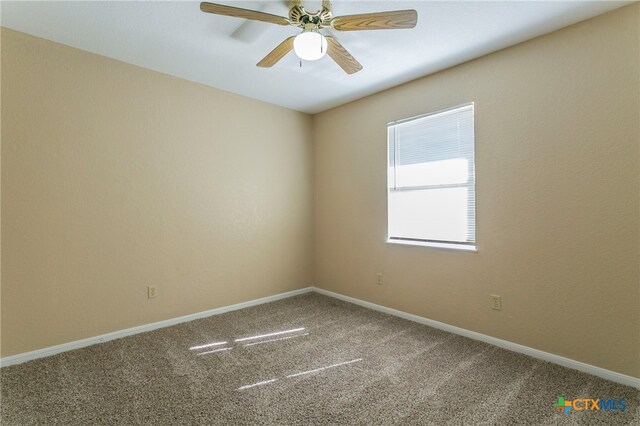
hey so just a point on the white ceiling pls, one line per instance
(177, 39)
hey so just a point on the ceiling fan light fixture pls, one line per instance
(310, 45)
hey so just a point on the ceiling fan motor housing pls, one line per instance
(299, 17)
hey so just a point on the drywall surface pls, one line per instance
(558, 181)
(115, 178)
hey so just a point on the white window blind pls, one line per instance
(431, 179)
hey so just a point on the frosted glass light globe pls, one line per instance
(310, 46)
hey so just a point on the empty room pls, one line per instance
(320, 213)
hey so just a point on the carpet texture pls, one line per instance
(333, 363)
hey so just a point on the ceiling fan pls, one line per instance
(310, 44)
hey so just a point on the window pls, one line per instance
(431, 180)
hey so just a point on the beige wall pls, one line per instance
(115, 177)
(557, 142)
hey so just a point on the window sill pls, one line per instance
(446, 246)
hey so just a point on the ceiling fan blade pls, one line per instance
(220, 9)
(396, 19)
(340, 55)
(276, 54)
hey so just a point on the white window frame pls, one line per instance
(469, 247)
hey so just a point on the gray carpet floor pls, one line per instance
(332, 363)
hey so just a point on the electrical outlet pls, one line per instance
(495, 302)
(379, 282)
(152, 291)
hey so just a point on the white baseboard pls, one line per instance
(535, 353)
(515, 347)
(64, 347)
